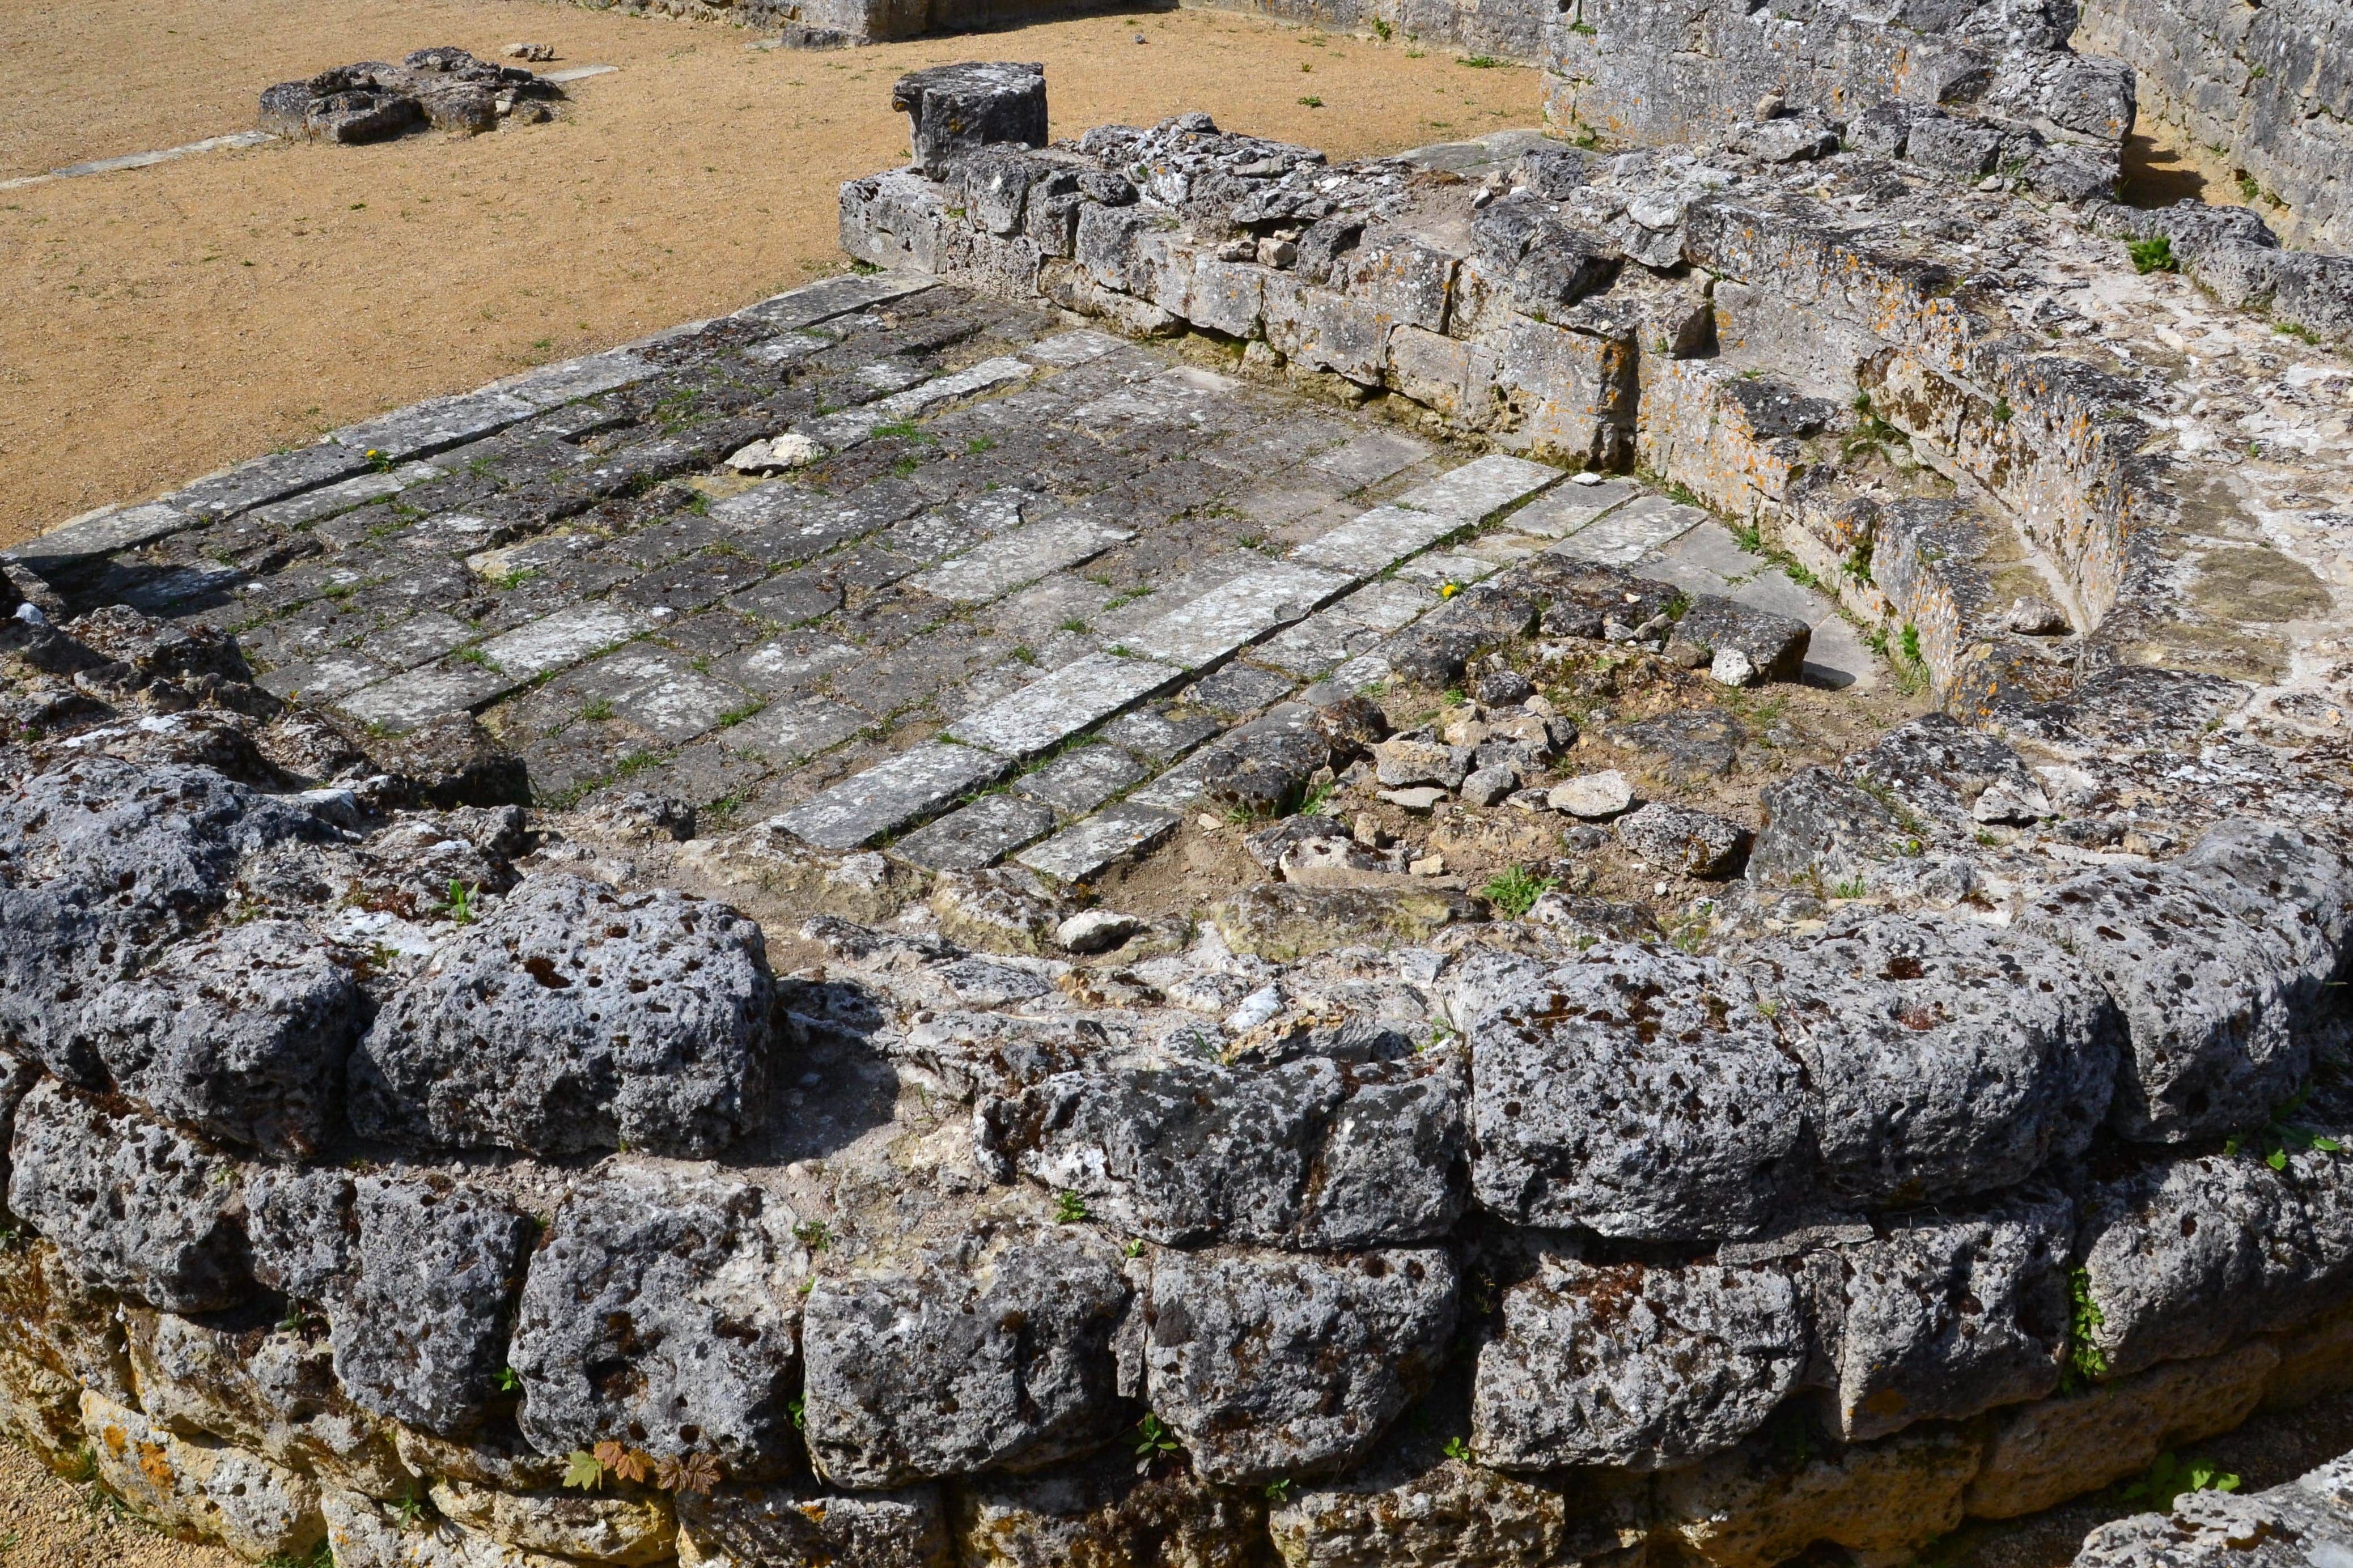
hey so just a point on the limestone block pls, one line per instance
(573, 1018)
(1107, 1513)
(1647, 1368)
(689, 1281)
(1636, 1091)
(895, 220)
(202, 1491)
(1454, 377)
(1282, 922)
(796, 1523)
(913, 1378)
(953, 109)
(1323, 329)
(637, 1530)
(1228, 297)
(277, 1397)
(1570, 396)
(1402, 278)
(2077, 1443)
(1682, 841)
(1270, 1364)
(2315, 1363)
(362, 1534)
(1447, 1514)
(1758, 1506)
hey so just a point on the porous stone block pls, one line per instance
(638, 1531)
(1085, 851)
(979, 835)
(1626, 1364)
(1763, 1504)
(912, 1377)
(1398, 1511)
(690, 1282)
(249, 1505)
(1108, 1509)
(1636, 1091)
(1678, 839)
(1282, 922)
(796, 1522)
(574, 1018)
(1269, 1365)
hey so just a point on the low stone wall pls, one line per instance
(2265, 87)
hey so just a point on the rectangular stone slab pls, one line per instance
(796, 729)
(837, 296)
(1076, 697)
(421, 696)
(1632, 531)
(1004, 563)
(552, 385)
(423, 428)
(1082, 779)
(565, 637)
(84, 537)
(1239, 613)
(891, 794)
(979, 835)
(1084, 852)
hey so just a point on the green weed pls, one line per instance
(2153, 255)
(1516, 890)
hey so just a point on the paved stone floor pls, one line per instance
(1019, 537)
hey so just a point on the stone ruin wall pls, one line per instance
(2264, 90)
(318, 1242)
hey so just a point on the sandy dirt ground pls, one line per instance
(46, 1522)
(161, 322)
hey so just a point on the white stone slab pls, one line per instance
(1241, 612)
(1633, 532)
(1480, 489)
(330, 500)
(420, 696)
(1370, 544)
(565, 637)
(1083, 852)
(423, 428)
(999, 565)
(100, 533)
(854, 425)
(1050, 709)
(795, 728)
(891, 795)
(837, 296)
(551, 385)
(1571, 507)
(1064, 350)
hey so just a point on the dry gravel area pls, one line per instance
(47, 1522)
(163, 321)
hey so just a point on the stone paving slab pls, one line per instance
(892, 795)
(565, 637)
(1632, 531)
(419, 697)
(552, 385)
(328, 500)
(1082, 779)
(1480, 489)
(1178, 788)
(1372, 543)
(1159, 736)
(1067, 351)
(855, 424)
(1568, 508)
(274, 478)
(1241, 611)
(975, 836)
(1084, 852)
(101, 533)
(1072, 700)
(1022, 556)
(328, 678)
(829, 297)
(429, 427)
(1371, 457)
(794, 729)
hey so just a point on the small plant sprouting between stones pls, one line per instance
(2086, 1361)
(509, 1380)
(1279, 1492)
(1153, 1441)
(813, 1234)
(1516, 890)
(1069, 1208)
(463, 907)
(1457, 1449)
(2153, 255)
(2169, 1477)
(2281, 1136)
(797, 1409)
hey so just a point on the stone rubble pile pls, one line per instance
(447, 88)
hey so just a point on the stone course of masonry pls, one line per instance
(565, 994)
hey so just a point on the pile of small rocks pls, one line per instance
(445, 87)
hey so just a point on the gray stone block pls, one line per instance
(1635, 1091)
(1085, 851)
(891, 794)
(423, 428)
(1052, 709)
(1679, 840)
(795, 1522)
(1006, 1367)
(979, 835)
(1275, 1366)
(1078, 780)
(1239, 612)
(953, 109)
(1646, 1367)
(689, 1281)
(994, 569)
(572, 1018)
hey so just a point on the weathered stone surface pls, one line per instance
(1262, 770)
(978, 836)
(1940, 1058)
(419, 1329)
(1404, 761)
(1678, 839)
(1946, 1316)
(914, 1377)
(1636, 1091)
(795, 1523)
(640, 1532)
(1088, 848)
(573, 1018)
(1648, 1368)
(1594, 796)
(57, 1337)
(296, 1229)
(2309, 1520)
(955, 108)
(364, 1534)
(1819, 824)
(1774, 645)
(2049, 1452)
(892, 794)
(1009, 909)
(241, 1033)
(1762, 1504)
(1313, 1154)
(1109, 1513)
(134, 1207)
(1283, 922)
(251, 1506)
(272, 1392)
(690, 1280)
(1275, 1365)
(1422, 1514)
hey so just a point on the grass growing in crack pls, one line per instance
(1516, 890)
(1069, 1208)
(2277, 1137)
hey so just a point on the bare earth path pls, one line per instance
(161, 322)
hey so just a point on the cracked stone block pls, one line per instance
(974, 104)
(1774, 644)
(797, 1523)
(419, 1326)
(1282, 922)
(1944, 1057)
(563, 639)
(892, 794)
(784, 523)
(249, 1505)
(2311, 1517)
(795, 728)
(1627, 534)
(690, 1280)
(1161, 735)
(1639, 1092)
(1308, 1154)
(1262, 770)
(1408, 1508)
(1078, 780)
(574, 1018)
(1107, 1511)
(241, 1033)
(423, 428)
(412, 700)
(995, 568)
(979, 835)
(1766, 1502)
(1816, 822)
(1678, 839)
(1269, 1365)
(1055, 707)
(1007, 1366)
(1947, 1316)
(1238, 613)
(134, 1206)
(1085, 851)
(1627, 1364)
(626, 1531)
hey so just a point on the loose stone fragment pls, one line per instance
(1275, 1364)
(1282, 922)
(1593, 797)
(572, 1018)
(1637, 1091)
(1678, 839)
(945, 1374)
(1649, 1368)
(689, 1281)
